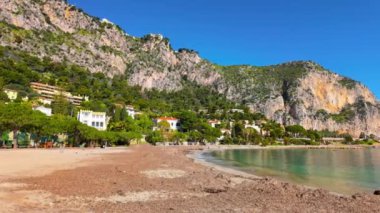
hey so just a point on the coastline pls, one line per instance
(226, 147)
(196, 156)
(165, 179)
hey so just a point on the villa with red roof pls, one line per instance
(173, 122)
(214, 123)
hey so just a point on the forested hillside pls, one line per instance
(66, 38)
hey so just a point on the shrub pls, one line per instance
(344, 116)
(348, 83)
(348, 139)
(322, 114)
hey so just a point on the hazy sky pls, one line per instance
(341, 35)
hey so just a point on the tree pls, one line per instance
(194, 136)
(273, 130)
(227, 140)
(250, 135)
(237, 130)
(286, 141)
(266, 128)
(36, 126)
(189, 120)
(128, 125)
(314, 135)
(15, 117)
(178, 137)
(117, 126)
(266, 142)
(61, 105)
(131, 125)
(144, 123)
(117, 115)
(130, 136)
(154, 137)
(348, 138)
(362, 135)
(89, 134)
(296, 130)
(164, 128)
(208, 133)
(60, 124)
(372, 136)
(3, 97)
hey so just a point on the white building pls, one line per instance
(97, 120)
(12, 94)
(247, 124)
(214, 123)
(47, 93)
(173, 122)
(225, 132)
(237, 110)
(131, 111)
(47, 111)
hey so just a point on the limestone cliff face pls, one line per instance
(157, 66)
(351, 108)
(54, 29)
(322, 90)
(292, 93)
(321, 100)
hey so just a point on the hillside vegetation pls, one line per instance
(86, 55)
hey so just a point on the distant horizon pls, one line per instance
(341, 35)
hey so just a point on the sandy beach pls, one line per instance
(150, 179)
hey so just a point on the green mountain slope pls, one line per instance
(291, 93)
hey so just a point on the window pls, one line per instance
(93, 123)
(101, 124)
(97, 124)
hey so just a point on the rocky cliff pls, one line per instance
(292, 93)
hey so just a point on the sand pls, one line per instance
(37, 162)
(152, 179)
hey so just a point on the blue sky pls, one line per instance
(341, 35)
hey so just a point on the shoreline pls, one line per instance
(195, 155)
(165, 179)
(232, 147)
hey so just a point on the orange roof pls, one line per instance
(167, 118)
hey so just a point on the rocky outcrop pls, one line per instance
(293, 93)
(325, 92)
(157, 66)
(307, 94)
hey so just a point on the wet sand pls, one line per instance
(154, 179)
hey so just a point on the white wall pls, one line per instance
(131, 112)
(93, 119)
(174, 124)
(47, 111)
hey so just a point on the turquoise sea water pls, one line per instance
(343, 171)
